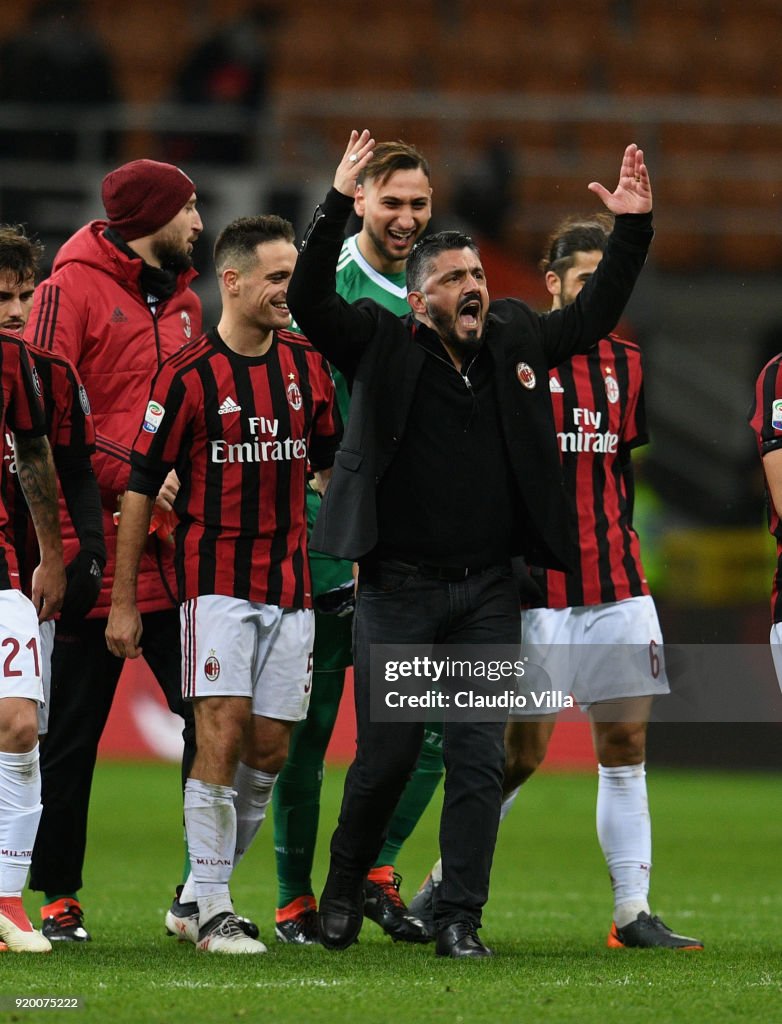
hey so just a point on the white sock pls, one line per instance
(188, 894)
(252, 793)
(210, 820)
(624, 830)
(20, 812)
(508, 802)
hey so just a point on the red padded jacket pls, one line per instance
(91, 310)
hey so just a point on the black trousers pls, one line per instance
(84, 680)
(394, 607)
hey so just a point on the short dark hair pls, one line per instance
(19, 254)
(236, 243)
(389, 157)
(572, 235)
(427, 249)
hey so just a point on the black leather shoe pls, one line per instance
(384, 906)
(461, 939)
(341, 909)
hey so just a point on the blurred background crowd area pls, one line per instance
(518, 105)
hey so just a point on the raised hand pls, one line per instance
(633, 194)
(356, 156)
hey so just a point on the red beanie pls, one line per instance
(143, 196)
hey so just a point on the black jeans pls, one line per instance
(84, 680)
(394, 607)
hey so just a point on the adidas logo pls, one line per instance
(118, 317)
(229, 405)
(555, 386)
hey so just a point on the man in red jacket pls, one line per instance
(118, 302)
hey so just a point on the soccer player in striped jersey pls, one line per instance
(21, 687)
(596, 633)
(72, 440)
(765, 419)
(394, 199)
(71, 435)
(241, 414)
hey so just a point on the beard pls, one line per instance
(171, 256)
(445, 327)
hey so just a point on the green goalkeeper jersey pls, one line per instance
(357, 279)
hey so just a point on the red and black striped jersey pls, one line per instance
(765, 418)
(599, 416)
(20, 413)
(70, 431)
(241, 433)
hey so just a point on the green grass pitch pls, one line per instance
(717, 851)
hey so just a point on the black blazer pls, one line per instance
(375, 351)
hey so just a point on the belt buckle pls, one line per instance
(454, 574)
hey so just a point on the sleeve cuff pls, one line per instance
(337, 206)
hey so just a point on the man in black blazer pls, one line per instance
(448, 468)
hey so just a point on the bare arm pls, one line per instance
(123, 629)
(772, 465)
(35, 468)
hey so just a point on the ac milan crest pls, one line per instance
(526, 375)
(612, 388)
(212, 667)
(294, 396)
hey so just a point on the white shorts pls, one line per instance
(602, 652)
(21, 661)
(776, 649)
(46, 630)
(235, 648)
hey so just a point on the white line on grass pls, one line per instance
(234, 986)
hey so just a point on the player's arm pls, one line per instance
(149, 485)
(82, 499)
(148, 481)
(72, 437)
(772, 465)
(123, 629)
(35, 469)
(625, 461)
(326, 429)
(153, 454)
